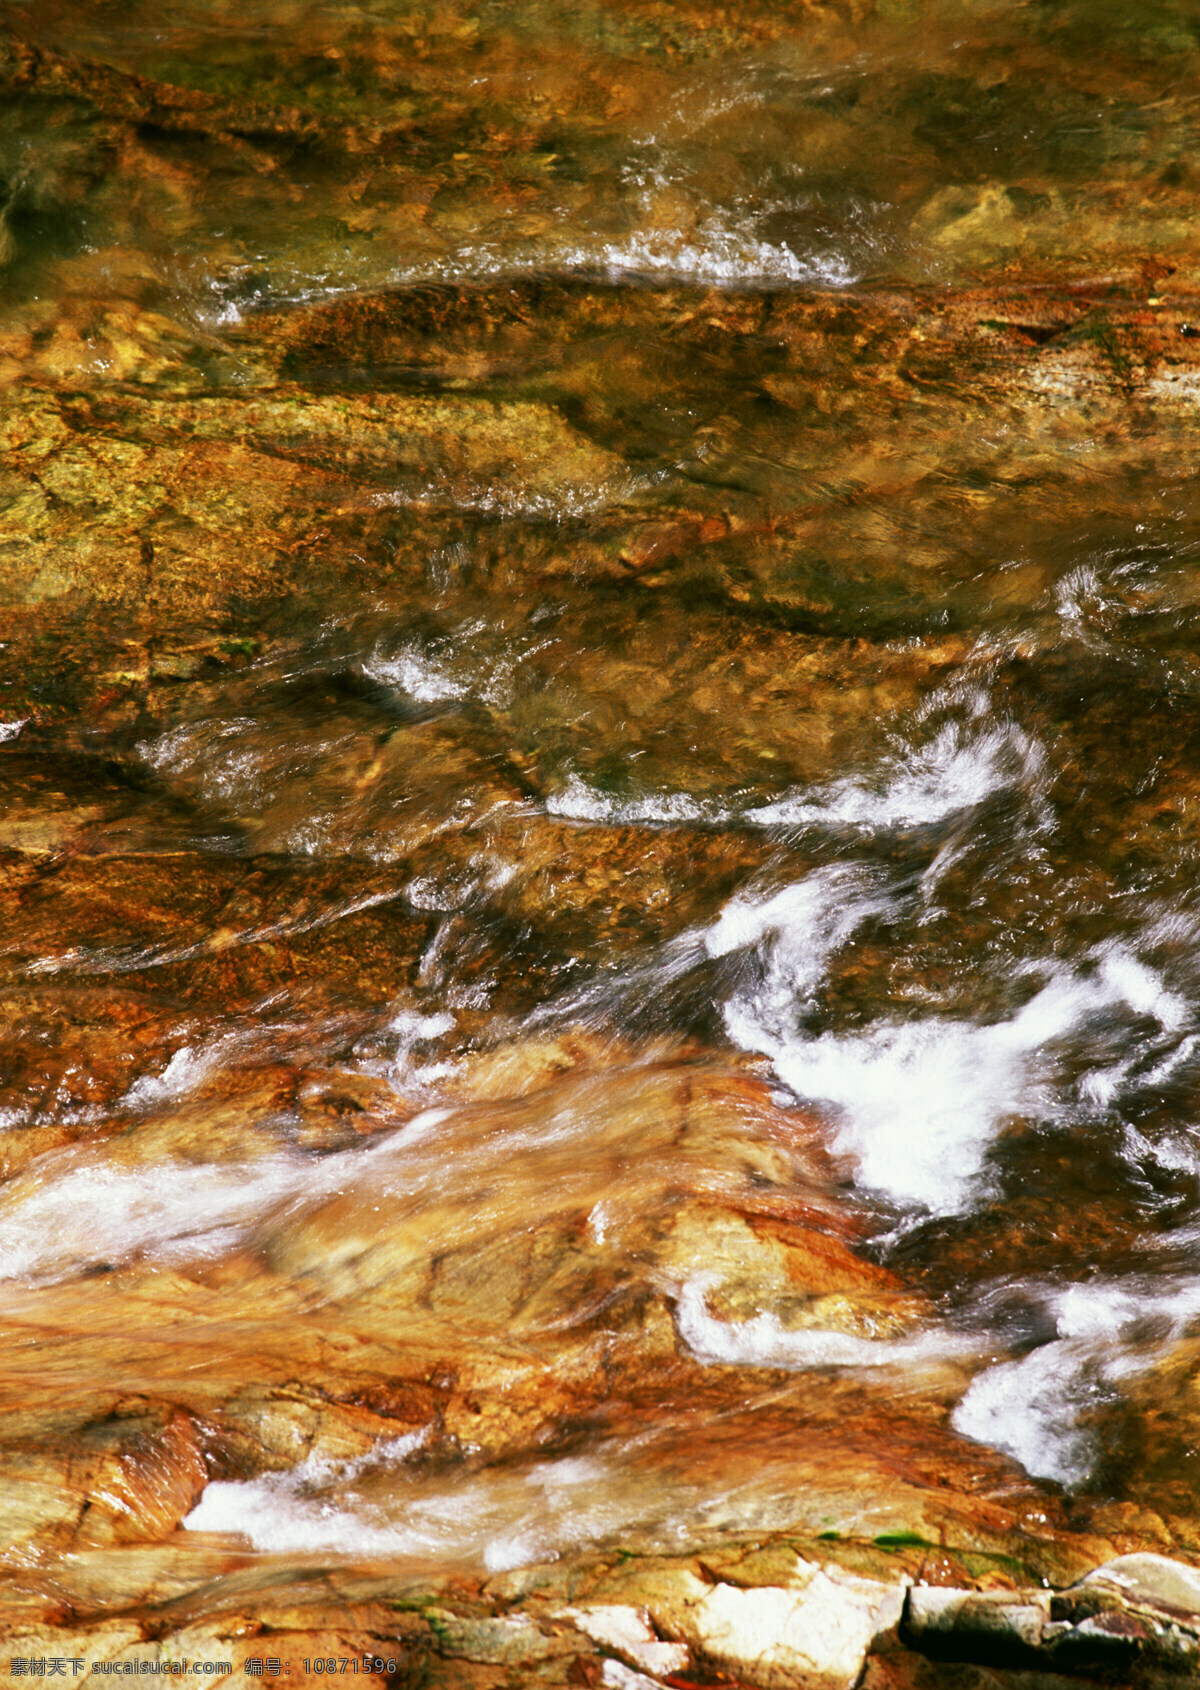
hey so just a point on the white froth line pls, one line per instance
(577, 801)
(1031, 1407)
(820, 912)
(173, 1211)
(418, 676)
(295, 1511)
(938, 780)
(71, 1212)
(764, 1342)
(921, 1102)
(952, 774)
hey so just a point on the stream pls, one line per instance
(600, 770)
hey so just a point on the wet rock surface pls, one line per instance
(655, 1620)
(598, 773)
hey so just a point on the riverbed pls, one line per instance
(600, 750)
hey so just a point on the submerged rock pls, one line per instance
(597, 830)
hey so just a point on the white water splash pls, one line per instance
(420, 676)
(224, 759)
(718, 251)
(960, 768)
(474, 669)
(185, 1072)
(74, 1213)
(803, 923)
(967, 762)
(1035, 1408)
(921, 1102)
(918, 1103)
(577, 801)
(411, 1030)
(764, 1342)
(499, 1520)
(280, 1511)
(75, 1210)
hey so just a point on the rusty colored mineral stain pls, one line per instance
(495, 503)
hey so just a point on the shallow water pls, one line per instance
(600, 684)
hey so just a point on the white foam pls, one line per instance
(804, 922)
(442, 895)
(187, 1069)
(1097, 604)
(1079, 595)
(1107, 1331)
(421, 677)
(793, 933)
(411, 1030)
(498, 1519)
(968, 761)
(476, 671)
(426, 893)
(764, 1342)
(577, 801)
(77, 1213)
(1127, 980)
(76, 1210)
(10, 730)
(722, 249)
(679, 162)
(1029, 1409)
(420, 1127)
(920, 1102)
(328, 1470)
(208, 753)
(719, 251)
(960, 768)
(280, 1512)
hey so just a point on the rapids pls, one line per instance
(600, 756)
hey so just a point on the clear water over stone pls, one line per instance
(600, 761)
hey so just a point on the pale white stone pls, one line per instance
(1015, 1617)
(1153, 1581)
(932, 1607)
(815, 1637)
(619, 1677)
(628, 1632)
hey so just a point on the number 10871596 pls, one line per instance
(333, 1664)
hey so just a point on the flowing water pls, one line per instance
(601, 762)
